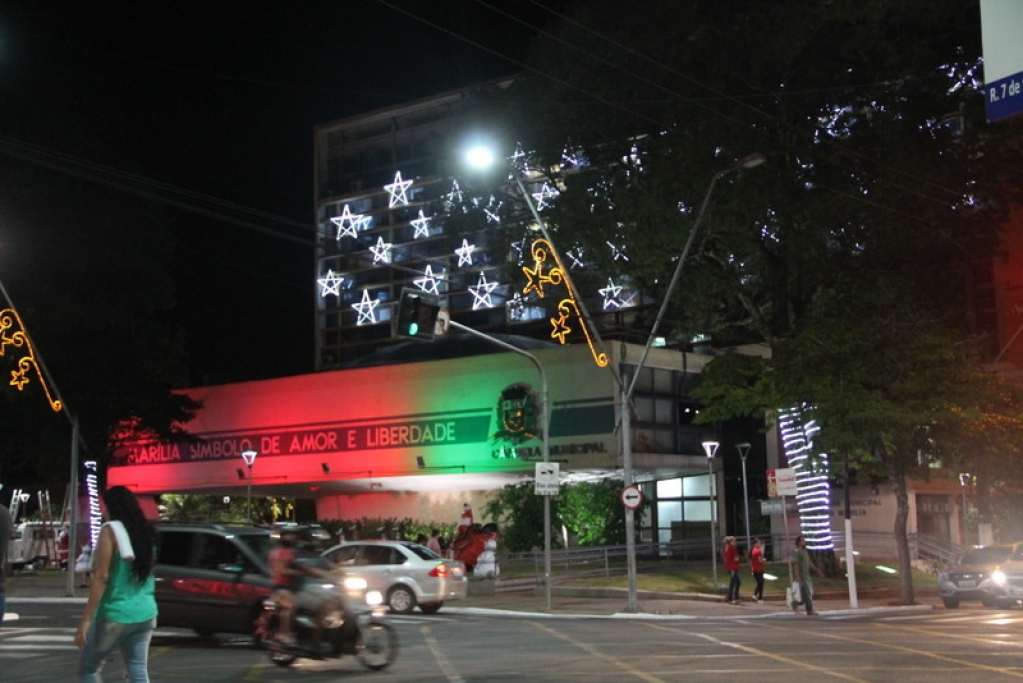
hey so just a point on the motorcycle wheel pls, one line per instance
(266, 629)
(281, 658)
(377, 646)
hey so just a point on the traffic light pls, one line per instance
(417, 315)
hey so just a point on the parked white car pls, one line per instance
(406, 574)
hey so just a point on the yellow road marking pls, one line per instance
(600, 655)
(798, 663)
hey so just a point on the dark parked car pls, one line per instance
(992, 575)
(212, 577)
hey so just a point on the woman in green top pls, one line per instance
(121, 611)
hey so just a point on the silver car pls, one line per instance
(991, 574)
(406, 574)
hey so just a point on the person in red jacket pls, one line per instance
(732, 566)
(757, 566)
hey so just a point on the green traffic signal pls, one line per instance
(417, 315)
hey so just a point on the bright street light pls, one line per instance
(250, 459)
(711, 448)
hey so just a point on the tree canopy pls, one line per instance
(853, 253)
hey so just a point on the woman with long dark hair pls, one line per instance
(121, 611)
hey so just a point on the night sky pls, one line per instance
(216, 103)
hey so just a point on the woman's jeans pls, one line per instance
(733, 586)
(131, 640)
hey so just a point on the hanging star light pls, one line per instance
(381, 251)
(546, 192)
(617, 252)
(482, 292)
(422, 226)
(331, 284)
(516, 307)
(561, 328)
(577, 257)
(610, 294)
(429, 282)
(465, 253)
(491, 210)
(398, 191)
(348, 223)
(366, 309)
(454, 197)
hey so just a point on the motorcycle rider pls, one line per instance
(287, 580)
(291, 564)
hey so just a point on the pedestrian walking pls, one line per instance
(120, 613)
(6, 532)
(732, 561)
(802, 565)
(757, 566)
(83, 565)
(434, 542)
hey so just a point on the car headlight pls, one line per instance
(998, 577)
(374, 598)
(355, 583)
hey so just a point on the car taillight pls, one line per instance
(441, 571)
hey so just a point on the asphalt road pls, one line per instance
(460, 646)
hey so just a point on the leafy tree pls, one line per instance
(592, 512)
(518, 512)
(849, 254)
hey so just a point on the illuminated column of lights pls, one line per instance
(813, 496)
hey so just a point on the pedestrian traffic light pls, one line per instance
(417, 315)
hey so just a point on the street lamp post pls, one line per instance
(250, 459)
(964, 481)
(743, 449)
(711, 448)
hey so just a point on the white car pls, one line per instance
(406, 574)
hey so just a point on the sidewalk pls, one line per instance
(523, 597)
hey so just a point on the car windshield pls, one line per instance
(990, 555)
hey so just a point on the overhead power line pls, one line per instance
(196, 202)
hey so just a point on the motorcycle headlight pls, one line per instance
(355, 583)
(998, 577)
(374, 598)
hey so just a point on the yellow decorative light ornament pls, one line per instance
(13, 334)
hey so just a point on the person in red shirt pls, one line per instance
(757, 566)
(732, 565)
(286, 580)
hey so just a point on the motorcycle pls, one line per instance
(344, 630)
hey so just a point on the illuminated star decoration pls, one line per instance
(331, 284)
(561, 327)
(14, 335)
(422, 226)
(381, 251)
(465, 253)
(429, 281)
(454, 197)
(491, 210)
(617, 252)
(546, 192)
(611, 295)
(366, 309)
(577, 257)
(347, 223)
(516, 307)
(398, 190)
(481, 293)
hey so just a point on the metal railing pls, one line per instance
(610, 560)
